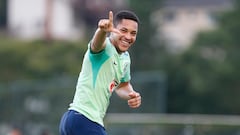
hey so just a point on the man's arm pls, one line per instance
(125, 91)
(98, 41)
(104, 26)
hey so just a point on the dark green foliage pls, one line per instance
(39, 59)
(207, 77)
(143, 49)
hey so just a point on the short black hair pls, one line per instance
(125, 14)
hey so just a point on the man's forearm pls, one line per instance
(123, 90)
(98, 41)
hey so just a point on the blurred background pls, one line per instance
(185, 63)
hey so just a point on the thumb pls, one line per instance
(133, 94)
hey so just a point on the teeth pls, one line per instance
(125, 42)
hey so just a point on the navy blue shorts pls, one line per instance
(74, 123)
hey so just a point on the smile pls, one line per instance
(125, 43)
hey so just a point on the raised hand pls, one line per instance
(107, 24)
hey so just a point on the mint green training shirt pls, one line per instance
(100, 74)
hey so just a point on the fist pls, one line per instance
(135, 100)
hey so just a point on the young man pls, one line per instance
(105, 69)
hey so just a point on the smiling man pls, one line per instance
(105, 69)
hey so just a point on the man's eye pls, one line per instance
(133, 33)
(123, 30)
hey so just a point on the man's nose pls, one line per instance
(128, 35)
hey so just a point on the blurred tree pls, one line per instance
(33, 60)
(144, 52)
(206, 78)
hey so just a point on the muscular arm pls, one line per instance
(125, 91)
(98, 41)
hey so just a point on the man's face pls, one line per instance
(128, 29)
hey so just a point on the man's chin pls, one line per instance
(121, 51)
(124, 49)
